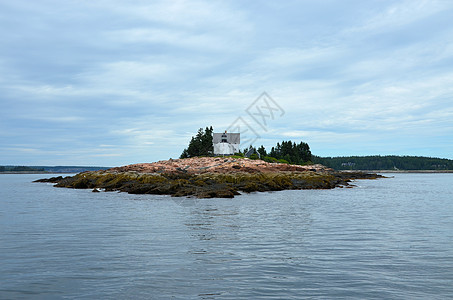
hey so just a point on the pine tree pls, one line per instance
(200, 144)
(262, 151)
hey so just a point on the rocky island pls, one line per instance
(209, 177)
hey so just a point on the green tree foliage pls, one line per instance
(19, 169)
(262, 151)
(390, 162)
(254, 156)
(291, 152)
(270, 159)
(200, 144)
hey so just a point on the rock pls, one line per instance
(198, 165)
(50, 180)
(209, 177)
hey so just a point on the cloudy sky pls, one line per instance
(118, 82)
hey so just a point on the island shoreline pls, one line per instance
(209, 177)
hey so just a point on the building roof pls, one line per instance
(232, 138)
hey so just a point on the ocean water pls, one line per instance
(384, 239)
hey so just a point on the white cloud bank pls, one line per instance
(353, 78)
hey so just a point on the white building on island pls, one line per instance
(226, 143)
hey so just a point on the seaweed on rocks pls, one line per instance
(207, 185)
(50, 180)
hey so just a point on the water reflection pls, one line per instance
(383, 239)
(281, 232)
(211, 221)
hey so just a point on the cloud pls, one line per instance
(114, 82)
(170, 37)
(399, 14)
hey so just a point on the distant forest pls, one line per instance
(48, 169)
(390, 162)
(300, 153)
(20, 169)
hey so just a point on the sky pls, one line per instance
(110, 83)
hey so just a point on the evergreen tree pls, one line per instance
(292, 152)
(262, 151)
(200, 144)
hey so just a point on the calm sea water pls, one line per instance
(384, 239)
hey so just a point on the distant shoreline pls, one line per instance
(48, 169)
(37, 172)
(400, 171)
(370, 171)
(26, 172)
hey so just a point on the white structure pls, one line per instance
(226, 143)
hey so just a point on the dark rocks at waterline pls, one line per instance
(352, 175)
(206, 185)
(51, 180)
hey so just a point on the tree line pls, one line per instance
(299, 153)
(19, 169)
(388, 162)
(286, 151)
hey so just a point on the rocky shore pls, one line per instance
(209, 177)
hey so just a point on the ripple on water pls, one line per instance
(388, 238)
